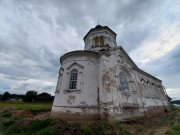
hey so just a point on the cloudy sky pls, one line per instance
(35, 33)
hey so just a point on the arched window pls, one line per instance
(99, 41)
(96, 41)
(73, 79)
(123, 81)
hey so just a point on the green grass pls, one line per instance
(25, 105)
(11, 125)
(175, 121)
(36, 127)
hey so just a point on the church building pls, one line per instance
(102, 82)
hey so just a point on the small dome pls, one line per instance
(98, 26)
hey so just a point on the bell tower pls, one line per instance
(100, 38)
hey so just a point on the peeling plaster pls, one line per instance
(71, 99)
(108, 80)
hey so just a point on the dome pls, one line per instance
(98, 26)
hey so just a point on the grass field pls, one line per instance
(25, 105)
(34, 119)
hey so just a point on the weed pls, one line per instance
(14, 129)
(75, 128)
(47, 131)
(101, 127)
(68, 127)
(8, 122)
(131, 120)
(172, 116)
(117, 123)
(139, 129)
(176, 126)
(5, 114)
(39, 124)
(152, 132)
(175, 130)
(86, 130)
(169, 133)
(126, 131)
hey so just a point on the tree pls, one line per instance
(30, 95)
(5, 96)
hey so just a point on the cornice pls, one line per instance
(79, 53)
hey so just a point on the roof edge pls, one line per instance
(135, 66)
(99, 29)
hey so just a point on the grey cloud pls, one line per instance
(167, 68)
(138, 19)
(34, 34)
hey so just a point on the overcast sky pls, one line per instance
(35, 33)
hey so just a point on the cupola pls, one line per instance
(100, 37)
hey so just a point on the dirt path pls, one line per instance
(159, 131)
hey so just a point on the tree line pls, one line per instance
(30, 96)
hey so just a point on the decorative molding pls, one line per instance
(77, 56)
(72, 91)
(75, 63)
(105, 53)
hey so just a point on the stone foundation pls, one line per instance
(150, 112)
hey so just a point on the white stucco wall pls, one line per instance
(84, 98)
(98, 89)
